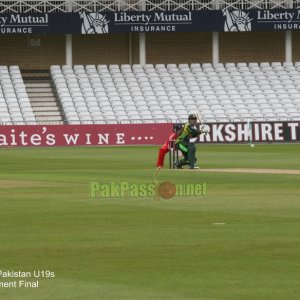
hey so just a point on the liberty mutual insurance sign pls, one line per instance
(101, 23)
(22, 24)
(226, 20)
(279, 20)
(158, 21)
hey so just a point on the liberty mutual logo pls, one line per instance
(93, 23)
(236, 20)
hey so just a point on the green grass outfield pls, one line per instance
(142, 248)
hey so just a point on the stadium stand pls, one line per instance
(15, 107)
(111, 93)
(108, 94)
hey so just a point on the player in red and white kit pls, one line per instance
(165, 148)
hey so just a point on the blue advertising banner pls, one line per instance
(154, 21)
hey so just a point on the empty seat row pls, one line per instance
(113, 93)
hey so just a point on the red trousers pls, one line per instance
(161, 156)
(164, 149)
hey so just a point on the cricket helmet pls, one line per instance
(192, 117)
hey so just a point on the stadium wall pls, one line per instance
(16, 50)
(160, 48)
(252, 47)
(296, 46)
(101, 49)
(178, 48)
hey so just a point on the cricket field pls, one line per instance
(240, 240)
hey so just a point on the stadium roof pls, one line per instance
(42, 6)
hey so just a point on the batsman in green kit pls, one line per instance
(186, 143)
